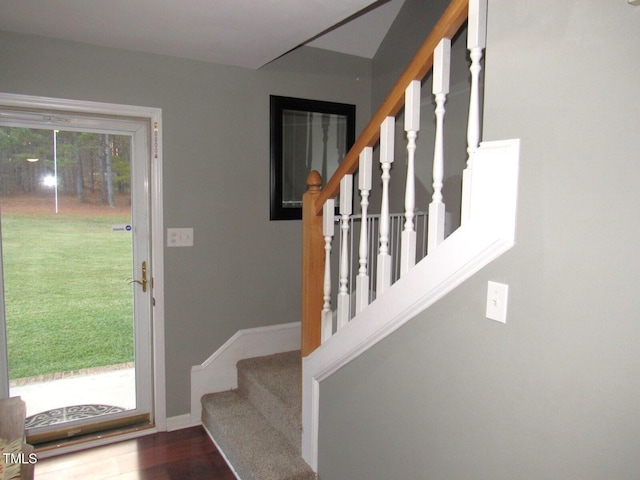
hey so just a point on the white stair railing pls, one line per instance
(387, 300)
(346, 192)
(435, 234)
(364, 183)
(387, 145)
(441, 67)
(411, 126)
(476, 41)
(327, 231)
(365, 285)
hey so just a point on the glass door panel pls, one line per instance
(70, 258)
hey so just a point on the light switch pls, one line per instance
(497, 296)
(179, 237)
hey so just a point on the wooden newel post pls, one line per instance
(312, 267)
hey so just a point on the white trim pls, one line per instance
(233, 470)
(154, 116)
(179, 422)
(218, 373)
(157, 264)
(488, 234)
(76, 106)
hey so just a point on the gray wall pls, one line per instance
(554, 393)
(243, 271)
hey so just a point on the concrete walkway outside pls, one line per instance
(113, 387)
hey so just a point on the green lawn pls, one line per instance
(67, 302)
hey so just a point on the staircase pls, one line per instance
(258, 425)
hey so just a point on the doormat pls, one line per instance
(65, 414)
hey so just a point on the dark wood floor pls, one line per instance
(187, 454)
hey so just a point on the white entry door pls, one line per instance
(78, 270)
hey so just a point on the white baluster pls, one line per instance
(328, 226)
(364, 184)
(346, 201)
(476, 41)
(441, 68)
(387, 145)
(411, 126)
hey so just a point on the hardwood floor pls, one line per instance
(187, 454)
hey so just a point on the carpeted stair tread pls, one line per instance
(279, 373)
(272, 384)
(256, 449)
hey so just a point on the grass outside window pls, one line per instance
(68, 305)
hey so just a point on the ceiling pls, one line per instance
(244, 33)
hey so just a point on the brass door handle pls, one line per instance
(142, 282)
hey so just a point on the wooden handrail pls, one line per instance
(450, 22)
(312, 239)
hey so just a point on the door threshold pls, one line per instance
(74, 439)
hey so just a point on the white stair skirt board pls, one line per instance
(488, 233)
(224, 457)
(218, 373)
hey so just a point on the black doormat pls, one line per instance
(65, 414)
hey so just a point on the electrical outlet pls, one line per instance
(497, 296)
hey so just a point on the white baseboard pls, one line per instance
(179, 422)
(218, 373)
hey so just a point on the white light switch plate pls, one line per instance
(497, 296)
(179, 237)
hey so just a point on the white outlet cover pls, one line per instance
(497, 299)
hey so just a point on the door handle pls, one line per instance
(142, 282)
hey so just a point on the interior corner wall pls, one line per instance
(411, 26)
(554, 393)
(243, 270)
